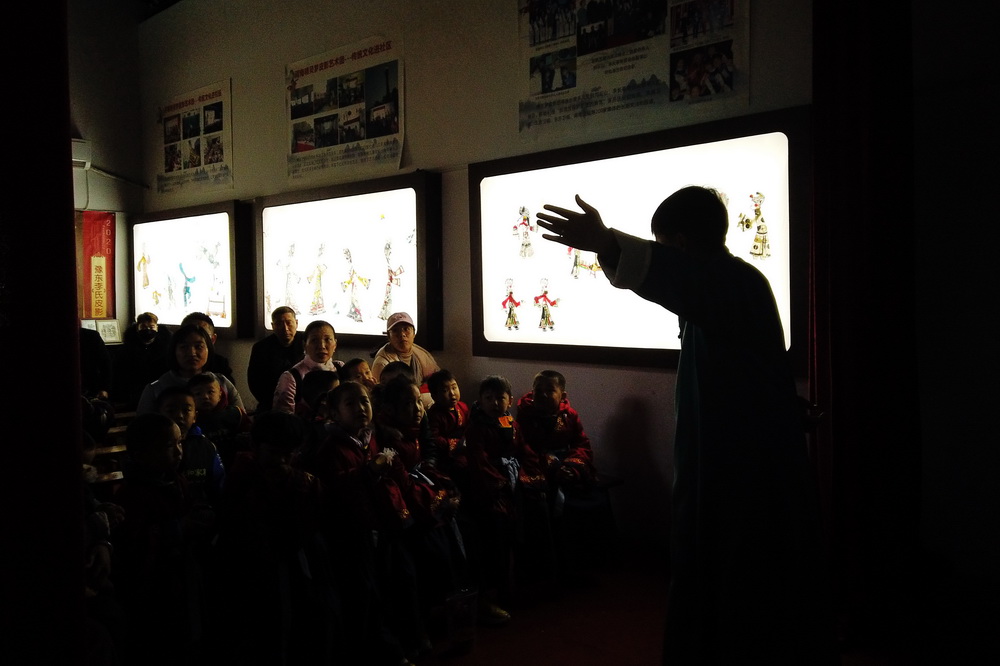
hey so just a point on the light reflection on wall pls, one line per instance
(519, 267)
(183, 265)
(349, 260)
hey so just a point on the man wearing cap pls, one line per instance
(400, 329)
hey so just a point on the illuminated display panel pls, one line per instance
(538, 299)
(183, 262)
(354, 254)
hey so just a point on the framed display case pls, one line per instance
(353, 254)
(536, 299)
(185, 260)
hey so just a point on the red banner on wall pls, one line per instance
(98, 268)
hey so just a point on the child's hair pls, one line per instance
(344, 388)
(394, 391)
(394, 368)
(278, 429)
(146, 318)
(495, 383)
(438, 379)
(146, 431)
(319, 323)
(182, 334)
(552, 375)
(314, 384)
(699, 213)
(348, 368)
(203, 379)
(170, 392)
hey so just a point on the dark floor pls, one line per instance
(611, 613)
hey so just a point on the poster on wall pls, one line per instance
(196, 141)
(345, 108)
(535, 292)
(628, 61)
(349, 260)
(96, 264)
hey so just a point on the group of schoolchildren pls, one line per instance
(342, 532)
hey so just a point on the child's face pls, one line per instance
(448, 395)
(547, 395)
(409, 411)
(321, 344)
(354, 411)
(207, 396)
(362, 373)
(181, 410)
(192, 354)
(164, 455)
(494, 403)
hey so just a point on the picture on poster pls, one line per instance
(628, 63)
(196, 145)
(537, 292)
(349, 260)
(183, 265)
(345, 107)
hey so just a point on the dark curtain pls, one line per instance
(863, 360)
(42, 581)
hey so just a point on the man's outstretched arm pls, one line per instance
(581, 230)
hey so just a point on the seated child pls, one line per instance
(221, 422)
(448, 417)
(312, 390)
(278, 576)
(358, 370)
(364, 514)
(430, 543)
(200, 465)
(313, 409)
(99, 519)
(156, 574)
(389, 372)
(553, 430)
(403, 425)
(498, 467)
(395, 368)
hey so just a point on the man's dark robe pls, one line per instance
(746, 557)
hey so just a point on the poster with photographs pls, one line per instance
(350, 261)
(628, 61)
(196, 148)
(345, 108)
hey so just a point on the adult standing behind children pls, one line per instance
(141, 359)
(745, 548)
(270, 357)
(189, 353)
(400, 329)
(320, 345)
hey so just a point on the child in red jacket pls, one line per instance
(552, 428)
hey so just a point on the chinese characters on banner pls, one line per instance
(345, 107)
(197, 141)
(628, 61)
(97, 267)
